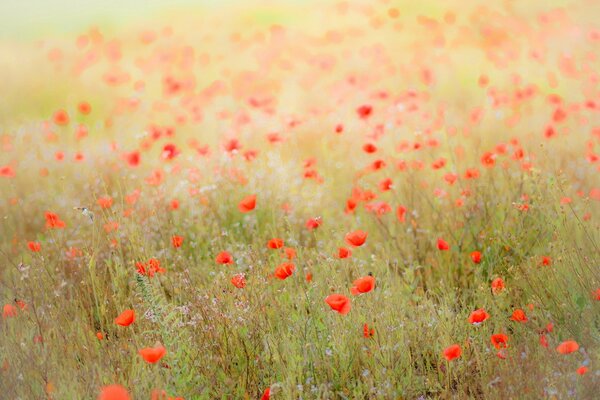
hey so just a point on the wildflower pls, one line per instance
(339, 303)
(177, 241)
(239, 281)
(284, 270)
(363, 285)
(452, 352)
(113, 392)
(478, 316)
(567, 347)
(519, 316)
(153, 354)
(499, 340)
(126, 318)
(247, 204)
(224, 258)
(356, 238)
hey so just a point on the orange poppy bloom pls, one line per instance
(567, 347)
(126, 318)
(356, 238)
(239, 281)
(275, 243)
(114, 392)
(499, 340)
(519, 316)
(442, 245)
(153, 354)
(497, 285)
(247, 204)
(476, 257)
(34, 246)
(452, 352)
(344, 252)
(339, 303)
(177, 241)
(224, 258)
(478, 316)
(363, 285)
(284, 270)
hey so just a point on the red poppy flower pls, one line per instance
(285, 270)
(519, 316)
(34, 246)
(224, 258)
(339, 303)
(497, 285)
(126, 318)
(153, 354)
(478, 316)
(363, 285)
(476, 257)
(356, 238)
(499, 340)
(113, 392)
(275, 243)
(344, 252)
(452, 352)
(177, 241)
(442, 245)
(313, 223)
(247, 204)
(567, 347)
(239, 281)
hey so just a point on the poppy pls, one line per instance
(34, 246)
(567, 347)
(313, 223)
(356, 238)
(53, 221)
(499, 340)
(543, 340)
(478, 316)
(339, 303)
(546, 261)
(61, 117)
(84, 108)
(343, 252)
(224, 258)
(239, 281)
(126, 318)
(247, 204)
(582, 370)
(364, 111)
(363, 285)
(452, 352)
(289, 253)
(105, 202)
(113, 392)
(177, 241)
(442, 245)
(275, 243)
(367, 333)
(267, 394)
(9, 311)
(476, 257)
(497, 285)
(401, 213)
(519, 316)
(7, 171)
(285, 270)
(153, 354)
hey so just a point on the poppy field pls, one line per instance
(380, 199)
